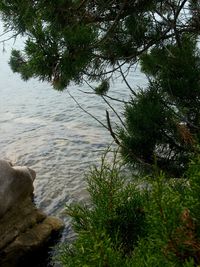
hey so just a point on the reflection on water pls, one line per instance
(45, 130)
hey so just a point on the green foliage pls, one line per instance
(144, 117)
(103, 88)
(163, 122)
(52, 60)
(74, 35)
(91, 250)
(173, 223)
(109, 229)
(17, 65)
(121, 212)
(177, 70)
(193, 195)
(154, 224)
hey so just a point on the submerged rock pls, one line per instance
(25, 231)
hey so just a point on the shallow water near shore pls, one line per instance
(46, 130)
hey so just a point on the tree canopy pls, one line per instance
(68, 39)
(75, 40)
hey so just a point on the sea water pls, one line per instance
(46, 130)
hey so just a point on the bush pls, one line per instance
(130, 225)
(172, 221)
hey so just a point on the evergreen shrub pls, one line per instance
(154, 223)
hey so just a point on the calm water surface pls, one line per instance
(44, 129)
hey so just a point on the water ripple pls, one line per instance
(45, 130)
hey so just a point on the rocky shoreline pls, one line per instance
(25, 231)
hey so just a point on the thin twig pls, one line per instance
(114, 111)
(107, 96)
(106, 72)
(114, 23)
(110, 129)
(91, 115)
(9, 38)
(5, 32)
(125, 80)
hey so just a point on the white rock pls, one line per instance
(16, 183)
